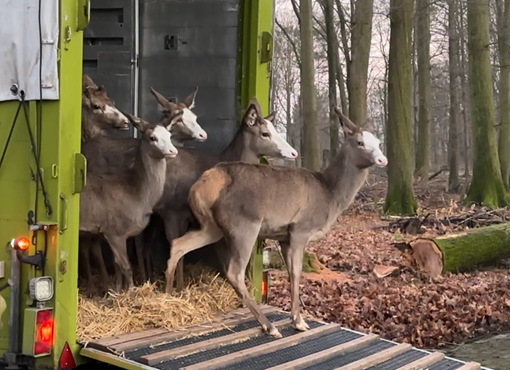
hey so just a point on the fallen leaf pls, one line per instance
(383, 271)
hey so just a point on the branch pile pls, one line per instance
(469, 219)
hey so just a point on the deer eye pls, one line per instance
(361, 143)
(154, 138)
(96, 106)
(265, 134)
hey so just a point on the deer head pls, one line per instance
(263, 138)
(187, 127)
(365, 145)
(157, 135)
(100, 108)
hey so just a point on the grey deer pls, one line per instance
(99, 112)
(255, 137)
(111, 155)
(118, 205)
(241, 202)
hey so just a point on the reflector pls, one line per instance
(66, 359)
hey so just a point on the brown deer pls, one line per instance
(118, 205)
(98, 111)
(98, 151)
(255, 137)
(299, 206)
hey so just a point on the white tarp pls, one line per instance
(19, 48)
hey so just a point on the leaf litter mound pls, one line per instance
(149, 307)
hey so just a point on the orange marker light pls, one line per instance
(20, 243)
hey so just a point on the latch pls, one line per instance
(266, 47)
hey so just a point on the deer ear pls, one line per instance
(163, 102)
(271, 117)
(190, 99)
(369, 126)
(348, 126)
(87, 82)
(250, 116)
(137, 122)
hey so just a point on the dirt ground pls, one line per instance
(404, 306)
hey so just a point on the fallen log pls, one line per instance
(462, 252)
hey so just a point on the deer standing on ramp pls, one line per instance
(118, 205)
(255, 137)
(300, 206)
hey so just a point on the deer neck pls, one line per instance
(344, 179)
(239, 149)
(89, 129)
(148, 174)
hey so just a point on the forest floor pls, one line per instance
(403, 305)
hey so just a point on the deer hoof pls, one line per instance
(301, 325)
(275, 333)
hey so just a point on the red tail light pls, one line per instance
(66, 359)
(265, 276)
(44, 332)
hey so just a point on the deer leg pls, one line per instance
(293, 255)
(140, 248)
(241, 247)
(124, 272)
(191, 241)
(84, 252)
(101, 266)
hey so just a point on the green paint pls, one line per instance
(254, 78)
(60, 140)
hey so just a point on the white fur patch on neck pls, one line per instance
(164, 143)
(111, 111)
(286, 150)
(190, 122)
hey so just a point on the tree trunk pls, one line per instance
(453, 136)
(361, 38)
(462, 252)
(465, 94)
(311, 153)
(487, 186)
(332, 49)
(400, 195)
(424, 89)
(504, 88)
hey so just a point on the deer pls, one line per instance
(118, 205)
(99, 112)
(255, 137)
(229, 202)
(98, 151)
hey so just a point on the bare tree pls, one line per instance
(453, 136)
(487, 187)
(361, 40)
(424, 88)
(311, 155)
(400, 197)
(503, 24)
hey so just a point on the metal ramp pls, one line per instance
(236, 342)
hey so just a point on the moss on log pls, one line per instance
(310, 262)
(462, 252)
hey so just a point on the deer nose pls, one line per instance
(202, 135)
(294, 154)
(172, 152)
(382, 161)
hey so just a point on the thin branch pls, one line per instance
(291, 42)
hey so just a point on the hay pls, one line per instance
(147, 307)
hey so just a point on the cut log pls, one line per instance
(462, 252)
